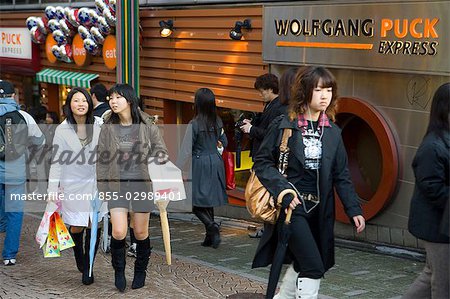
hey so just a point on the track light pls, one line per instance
(166, 28)
(236, 32)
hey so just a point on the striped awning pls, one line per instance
(66, 78)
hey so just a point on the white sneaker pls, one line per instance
(9, 262)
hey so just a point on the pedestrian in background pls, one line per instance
(286, 81)
(77, 134)
(13, 171)
(428, 215)
(208, 171)
(268, 87)
(99, 95)
(127, 140)
(317, 165)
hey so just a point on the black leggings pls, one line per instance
(303, 245)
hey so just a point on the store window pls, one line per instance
(238, 144)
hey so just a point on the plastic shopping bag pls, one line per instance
(42, 233)
(64, 239)
(167, 181)
(52, 247)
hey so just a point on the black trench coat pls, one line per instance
(333, 173)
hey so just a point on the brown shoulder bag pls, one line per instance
(259, 201)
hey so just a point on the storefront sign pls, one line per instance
(401, 37)
(80, 56)
(49, 43)
(109, 52)
(15, 43)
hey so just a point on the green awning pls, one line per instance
(66, 78)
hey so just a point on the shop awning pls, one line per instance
(66, 77)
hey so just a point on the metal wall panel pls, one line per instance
(299, 18)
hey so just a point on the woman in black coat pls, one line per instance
(428, 216)
(317, 165)
(208, 171)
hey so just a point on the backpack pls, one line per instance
(13, 136)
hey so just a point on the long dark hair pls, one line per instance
(286, 82)
(126, 91)
(440, 111)
(301, 92)
(205, 109)
(89, 115)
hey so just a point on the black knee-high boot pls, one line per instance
(214, 229)
(143, 251)
(214, 232)
(78, 249)
(205, 218)
(86, 279)
(211, 213)
(118, 263)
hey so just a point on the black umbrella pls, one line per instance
(284, 233)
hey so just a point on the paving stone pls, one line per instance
(196, 271)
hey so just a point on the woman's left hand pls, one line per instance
(360, 223)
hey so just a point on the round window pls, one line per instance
(372, 155)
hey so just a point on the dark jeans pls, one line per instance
(11, 216)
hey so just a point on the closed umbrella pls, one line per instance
(162, 206)
(284, 233)
(95, 203)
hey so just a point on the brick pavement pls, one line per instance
(37, 277)
(197, 272)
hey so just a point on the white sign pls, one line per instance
(15, 43)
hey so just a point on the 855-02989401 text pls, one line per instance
(114, 195)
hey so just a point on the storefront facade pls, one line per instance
(385, 90)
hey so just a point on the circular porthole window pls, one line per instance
(372, 155)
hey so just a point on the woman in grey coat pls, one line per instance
(208, 172)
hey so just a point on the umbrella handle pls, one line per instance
(288, 216)
(280, 199)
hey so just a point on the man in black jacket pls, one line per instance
(99, 94)
(267, 85)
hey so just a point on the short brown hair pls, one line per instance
(267, 81)
(301, 93)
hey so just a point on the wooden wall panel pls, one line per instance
(199, 53)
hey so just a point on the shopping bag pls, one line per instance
(52, 247)
(64, 239)
(42, 233)
(167, 181)
(228, 161)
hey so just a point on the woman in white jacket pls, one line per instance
(73, 173)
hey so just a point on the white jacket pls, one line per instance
(73, 174)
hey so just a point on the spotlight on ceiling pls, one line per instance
(236, 32)
(166, 28)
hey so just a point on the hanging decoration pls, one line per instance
(63, 23)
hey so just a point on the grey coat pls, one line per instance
(208, 172)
